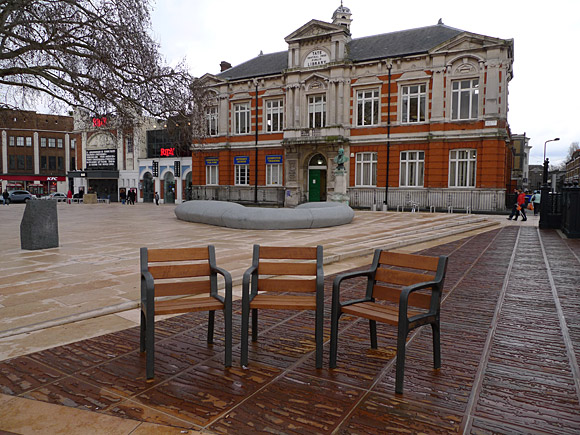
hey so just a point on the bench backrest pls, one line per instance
(288, 269)
(180, 271)
(394, 271)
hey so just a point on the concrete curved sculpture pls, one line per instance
(233, 215)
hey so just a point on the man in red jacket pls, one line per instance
(522, 205)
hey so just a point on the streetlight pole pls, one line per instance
(545, 177)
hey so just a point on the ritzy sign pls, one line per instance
(167, 152)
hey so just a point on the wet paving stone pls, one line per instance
(507, 364)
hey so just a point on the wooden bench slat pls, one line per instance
(284, 302)
(182, 288)
(283, 252)
(400, 277)
(393, 295)
(287, 285)
(187, 305)
(301, 269)
(412, 261)
(177, 254)
(374, 311)
(180, 271)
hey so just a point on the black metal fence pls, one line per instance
(561, 210)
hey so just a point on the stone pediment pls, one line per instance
(469, 42)
(314, 29)
(210, 80)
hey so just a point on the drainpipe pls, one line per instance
(386, 203)
(256, 149)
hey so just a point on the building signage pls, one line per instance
(241, 160)
(31, 178)
(100, 122)
(167, 152)
(102, 159)
(212, 161)
(270, 160)
(316, 57)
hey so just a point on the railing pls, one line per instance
(430, 199)
(266, 195)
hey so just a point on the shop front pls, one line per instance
(38, 185)
(103, 183)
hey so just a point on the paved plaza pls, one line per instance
(69, 341)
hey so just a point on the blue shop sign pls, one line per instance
(241, 160)
(273, 160)
(212, 161)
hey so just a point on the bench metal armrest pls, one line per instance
(249, 274)
(406, 292)
(228, 284)
(147, 286)
(345, 276)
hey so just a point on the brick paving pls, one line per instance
(510, 347)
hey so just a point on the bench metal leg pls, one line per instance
(436, 345)
(228, 336)
(142, 344)
(210, 325)
(150, 346)
(373, 332)
(334, 337)
(319, 334)
(401, 348)
(254, 325)
(245, 327)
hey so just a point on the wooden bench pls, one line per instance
(276, 274)
(175, 281)
(402, 290)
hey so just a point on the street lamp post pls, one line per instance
(545, 177)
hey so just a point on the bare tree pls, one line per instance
(571, 149)
(95, 55)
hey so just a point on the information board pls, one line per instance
(102, 159)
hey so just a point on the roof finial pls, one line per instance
(440, 21)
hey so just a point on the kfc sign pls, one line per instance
(100, 122)
(51, 179)
(167, 152)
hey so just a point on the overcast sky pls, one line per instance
(544, 94)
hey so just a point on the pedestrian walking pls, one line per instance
(6, 197)
(156, 198)
(536, 198)
(522, 206)
(515, 211)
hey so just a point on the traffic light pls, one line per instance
(155, 169)
(177, 168)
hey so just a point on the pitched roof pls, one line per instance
(401, 43)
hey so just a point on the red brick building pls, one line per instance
(425, 108)
(37, 151)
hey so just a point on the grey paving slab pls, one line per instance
(94, 270)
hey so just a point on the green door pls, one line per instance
(314, 179)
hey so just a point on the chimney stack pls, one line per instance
(225, 65)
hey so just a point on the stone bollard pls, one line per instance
(39, 225)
